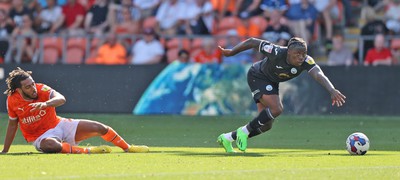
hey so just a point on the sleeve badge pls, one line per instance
(310, 60)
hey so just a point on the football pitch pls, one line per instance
(184, 147)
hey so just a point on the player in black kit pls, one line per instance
(281, 64)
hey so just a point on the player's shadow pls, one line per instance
(217, 154)
(21, 154)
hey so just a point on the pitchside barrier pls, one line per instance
(213, 89)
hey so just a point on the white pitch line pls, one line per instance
(162, 174)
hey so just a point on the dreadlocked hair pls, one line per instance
(296, 42)
(14, 80)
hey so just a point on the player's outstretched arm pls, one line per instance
(56, 99)
(10, 135)
(242, 46)
(337, 97)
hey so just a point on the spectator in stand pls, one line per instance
(117, 12)
(241, 58)
(18, 9)
(269, 6)
(395, 50)
(183, 56)
(170, 16)
(73, 17)
(209, 53)
(225, 8)
(373, 26)
(199, 17)
(147, 7)
(96, 19)
(340, 54)
(127, 25)
(392, 16)
(379, 55)
(326, 8)
(44, 4)
(111, 52)
(302, 16)
(24, 47)
(249, 7)
(247, 29)
(5, 32)
(49, 18)
(147, 50)
(276, 32)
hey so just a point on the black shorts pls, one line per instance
(259, 84)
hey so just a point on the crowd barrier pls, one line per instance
(213, 89)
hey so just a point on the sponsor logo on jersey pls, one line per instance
(21, 109)
(293, 71)
(310, 60)
(283, 76)
(279, 67)
(32, 119)
(269, 88)
(45, 88)
(268, 48)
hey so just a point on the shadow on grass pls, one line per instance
(21, 154)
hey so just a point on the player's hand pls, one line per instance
(225, 52)
(337, 98)
(38, 106)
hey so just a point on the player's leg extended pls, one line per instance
(87, 129)
(262, 122)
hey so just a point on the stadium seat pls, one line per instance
(51, 50)
(76, 48)
(197, 45)
(260, 22)
(180, 43)
(5, 6)
(227, 23)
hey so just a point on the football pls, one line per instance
(357, 143)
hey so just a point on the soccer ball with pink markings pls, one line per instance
(357, 143)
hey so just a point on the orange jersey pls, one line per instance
(32, 124)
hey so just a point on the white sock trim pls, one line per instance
(245, 130)
(228, 136)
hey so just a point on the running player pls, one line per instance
(32, 106)
(281, 64)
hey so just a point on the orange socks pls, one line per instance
(113, 137)
(67, 148)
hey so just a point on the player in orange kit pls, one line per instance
(32, 106)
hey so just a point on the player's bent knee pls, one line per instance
(50, 146)
(276, 111)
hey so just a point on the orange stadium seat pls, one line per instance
(94, 45)
(197, 45)
(51, 50)
(227, 23)
(260, 22)
(180, 43)
(76, 48)
(5, 6)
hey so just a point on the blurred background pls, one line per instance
(161, 56)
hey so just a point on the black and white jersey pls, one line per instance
(275, 66)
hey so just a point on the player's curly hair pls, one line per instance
(14, 80)
(296, 42)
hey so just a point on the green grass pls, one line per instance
(184, 147)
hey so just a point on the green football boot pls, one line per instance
(225, 143)
(241, 140)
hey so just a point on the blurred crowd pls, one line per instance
(162, 31)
